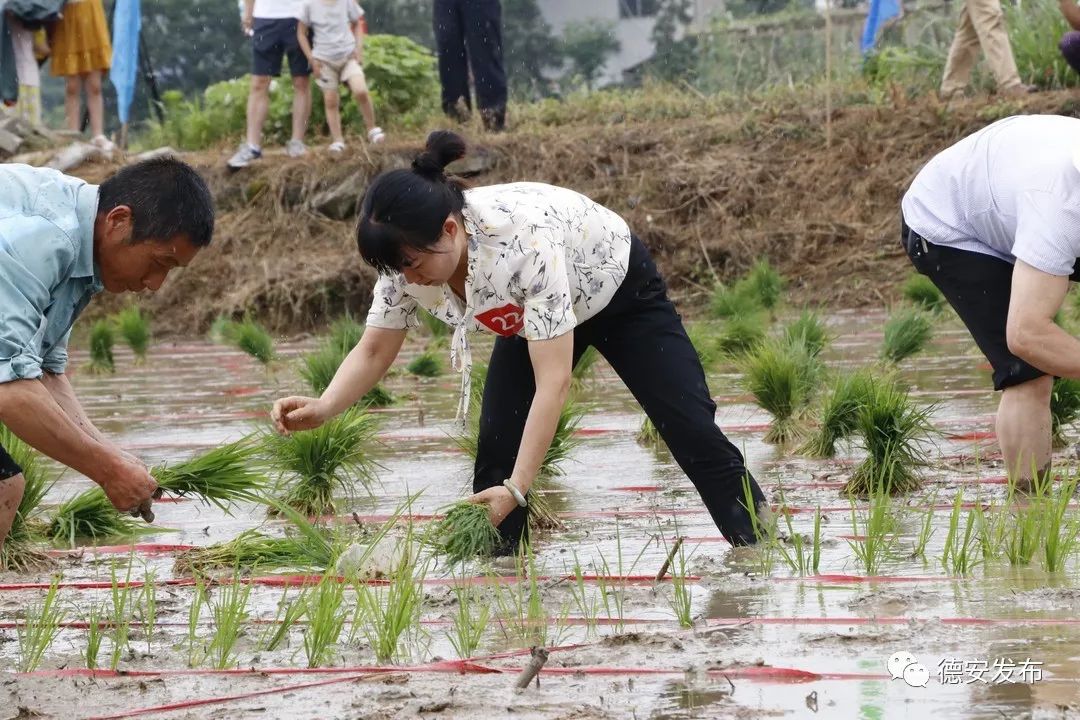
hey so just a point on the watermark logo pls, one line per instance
(905, 666)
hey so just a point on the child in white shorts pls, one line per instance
(337, 57)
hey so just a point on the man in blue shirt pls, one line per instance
(61, 242)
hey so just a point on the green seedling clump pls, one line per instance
(101, 348)
(907, 332)
(839, 414)
(134, 327)
(782, 377)
(464, 533)
(922, 292)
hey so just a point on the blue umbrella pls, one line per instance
(127, 23)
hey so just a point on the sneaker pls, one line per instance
(336, 148)
(295, 149)
(244, 156)
(376, 135)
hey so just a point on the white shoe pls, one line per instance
(336, 148)
(376, 135)
(295, 149)
(244, 156)
(103, 143)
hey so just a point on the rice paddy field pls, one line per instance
(973, 595)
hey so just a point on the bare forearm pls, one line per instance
(59, 387)
(1049, 348)
(29, 410)
(539, 431)
(302, 39)
(364, 367)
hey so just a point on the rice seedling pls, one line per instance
(90, 515)
(120, 612)
(764, 526)
(94, 634)
(926, 532)
(1064, 408)
(587, 604)
(394, 610)
(1061, 535)
(229, 614)
(741, 334)
(734, 301)
(648, 435)
(765, 283)
(808, 329)
(251, 550)
(839, 414)
(583, 369)
(782, 377)
(147, 605)
(907, 331)
(520, 605)
(958, 554)
(464, 532)
(18, 552)
(878, 542)
(323, 608)
(682, 592)
(800, 557)
(892, 430)
(613, 592)
(564, 441)
(990, 531)
(222, 329)
(345, 333)
(1024, 531)
(101, 348)
(319, 368)
(470, 620)
(315, 464)
(922, 292)
(288, 614)
(221, 476)
(426, 364)
(195, 649)
(134, 327)
(248, 336)
(41, 626)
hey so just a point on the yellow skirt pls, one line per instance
(80, 40)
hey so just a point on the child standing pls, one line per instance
(337, 58)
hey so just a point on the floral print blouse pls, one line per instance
(542, 260)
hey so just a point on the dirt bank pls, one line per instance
(708, 193)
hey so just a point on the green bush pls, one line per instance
(401, 78)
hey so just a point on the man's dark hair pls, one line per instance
(167, 198)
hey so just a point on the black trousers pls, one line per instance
(468, 33)
(642, 336)
(8, 467)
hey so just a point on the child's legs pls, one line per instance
(332, 103)
(73, 101)
(353, 74)
(95, 103)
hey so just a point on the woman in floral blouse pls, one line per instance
(550, 272)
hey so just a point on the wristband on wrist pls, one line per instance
(515, 492)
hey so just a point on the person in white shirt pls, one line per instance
(550, 272)
(994, 222)
(338, 57)
(272, 26)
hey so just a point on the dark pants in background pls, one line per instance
(1070, 49)
(642, 336)
(468, 34)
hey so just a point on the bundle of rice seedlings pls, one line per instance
(1064, 407)
(733, 301)
(565, 439)
(90, 515)
(891, 429)
(839, 414)
(307, 548)
(648, 435)
(810, 330)
(101, 348)
(221, 476)
(584, 368)
(19, 552)
(907, 331)
(705, 343)
(253, 339)
(465, 532)
(765, 283)
(377, 396)
(221, 330)
(345, 333)
(318, 368)
(314, 464)
(741, 334)
(923, 293)
(134, 327)
(781, 376)
(426, 364)
(542, 515)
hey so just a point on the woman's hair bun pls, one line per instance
(443, 147)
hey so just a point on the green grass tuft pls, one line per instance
(923, 293)
(1064, 407)
(809, 329)
(101, 348)
(782, 377)
(134, 327)
(221, 476)
(741, 334)
(839, 414)
(733, 301)
(765, 283)
(464, 533)
(426, 364)
(247, 335)
(19, 552)
(90, 515)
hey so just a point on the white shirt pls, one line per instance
(277, 9)
(542, 260)
(1011, 190)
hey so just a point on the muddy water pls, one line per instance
(763, 645)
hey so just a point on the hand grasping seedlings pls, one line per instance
(465, 532)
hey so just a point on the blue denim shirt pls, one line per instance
(47, 272)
